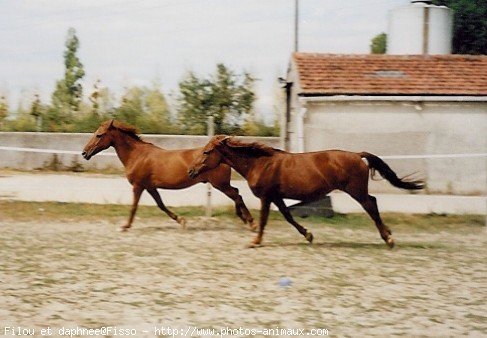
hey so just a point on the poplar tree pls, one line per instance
(3, 110)
(225, 95)
(67, 96)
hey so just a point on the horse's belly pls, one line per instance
(173, 182)
(295, 188)
(304, 192)
(307, 196)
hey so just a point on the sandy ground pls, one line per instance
(64, 275)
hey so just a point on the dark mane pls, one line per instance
(253, 149)
(127, 129)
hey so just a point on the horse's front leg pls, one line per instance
(240, 207)
(264, 214)
(287, 215)
(137, 191)
(155, 195)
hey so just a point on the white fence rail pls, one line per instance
(396, 203)
(385, 157)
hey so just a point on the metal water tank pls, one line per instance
(420, 28)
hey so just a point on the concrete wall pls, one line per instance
(76, 142)
(405, 128)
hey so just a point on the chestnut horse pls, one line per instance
(275, 174)
(149, 167)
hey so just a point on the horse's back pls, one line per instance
(333, 157)
(311, 175)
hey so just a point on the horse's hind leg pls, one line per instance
(287, 215)
(369, 203)
(155, 195)
(358, 189)
(240, 207)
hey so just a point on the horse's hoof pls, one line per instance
(123, 228)
(181, 221)
(390, 242)
(253, 245)
(309, 237)
(253, 227)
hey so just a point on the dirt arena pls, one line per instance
(70, 273)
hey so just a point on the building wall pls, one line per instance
(405, 128)
(76, 142)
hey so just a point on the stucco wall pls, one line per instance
(405, 128)
(76, 142)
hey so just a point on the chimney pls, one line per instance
(419, 28)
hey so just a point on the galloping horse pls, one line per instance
(275, 174)
(149, 167)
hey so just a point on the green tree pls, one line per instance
(3, 110)
(67, 96)
(156, 118)
(131, 108)
(226, 96)
(469, 25)
(105, 101)
(194, 104)
(37, 110)
(255, 126)
(146, 108)
(378, 44)
(23, 121)
(95, 98)
(92, 115)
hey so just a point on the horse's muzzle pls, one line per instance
(85, 155)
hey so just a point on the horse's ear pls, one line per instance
(230, 141)
(110, 125)
(224, 139)
(220, 139)
(104, 127)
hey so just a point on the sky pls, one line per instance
(137, 42)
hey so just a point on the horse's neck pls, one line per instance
(242, 164)
(126, 147)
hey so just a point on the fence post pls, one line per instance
(210, 133)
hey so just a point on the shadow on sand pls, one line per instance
(164, 227)
(358, 245)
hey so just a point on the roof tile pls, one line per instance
(372, 74)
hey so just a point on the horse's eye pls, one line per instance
(206, 153)
(99, 135)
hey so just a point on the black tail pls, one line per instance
(386, 172)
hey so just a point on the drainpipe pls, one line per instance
(286, 118)
(301, 113)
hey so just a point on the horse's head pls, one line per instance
(101, 140)
(209, 158)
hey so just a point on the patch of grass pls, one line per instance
(236, 176)
(79, 211)
(25, 211)
(353, 220)
(435, 222)
(428, 222)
